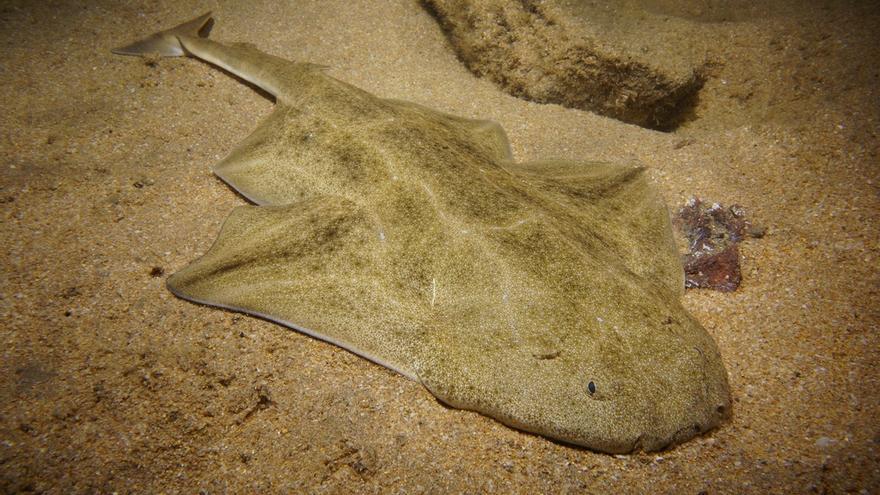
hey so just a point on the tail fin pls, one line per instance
(165, 43)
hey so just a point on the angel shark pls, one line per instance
(545, 295)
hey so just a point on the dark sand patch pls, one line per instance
(550, 53)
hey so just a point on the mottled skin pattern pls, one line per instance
(545, 295)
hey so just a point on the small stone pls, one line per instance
(681, 143)
(825, 442)
(152, 59)
(756, 231)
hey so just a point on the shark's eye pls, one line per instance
(591, 387)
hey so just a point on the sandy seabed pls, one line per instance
(111, 384)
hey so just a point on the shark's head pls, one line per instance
(614, 376)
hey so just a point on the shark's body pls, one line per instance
(545, 295)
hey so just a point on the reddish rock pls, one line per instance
(713, 234)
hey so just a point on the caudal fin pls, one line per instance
(166, 43)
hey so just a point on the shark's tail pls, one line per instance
(166, 43)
